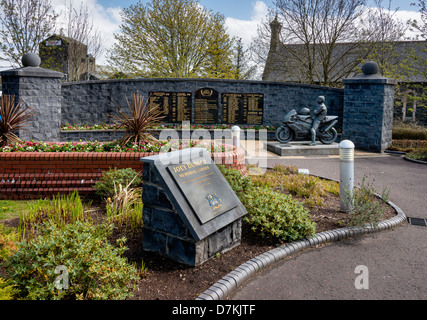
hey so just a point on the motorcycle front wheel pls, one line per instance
(284, 134)
(329, 136)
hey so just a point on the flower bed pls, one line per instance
(95, 146)
(104, 126)
(29, 174)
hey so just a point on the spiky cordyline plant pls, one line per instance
(142, 117)
(13, 117)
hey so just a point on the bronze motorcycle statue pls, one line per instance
(296, 127)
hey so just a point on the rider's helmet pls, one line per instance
(304, 111)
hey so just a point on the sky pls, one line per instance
(242, 16)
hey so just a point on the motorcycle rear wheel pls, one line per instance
(284, 134)
(329, 136)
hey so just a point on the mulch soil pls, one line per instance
(166, 279)
(169, 280)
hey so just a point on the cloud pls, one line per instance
(247, 29)
(409, 15)
(401, 16)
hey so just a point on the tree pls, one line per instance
(417, 92)
(219, 64)
(319, 26)
(167, 38)
(420, 26)
(324, 41)
(24, 24)
(382, 32)
(242, 69)
(312, 31)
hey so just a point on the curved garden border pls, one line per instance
(222, 288)
(405, 157)
(413, 160)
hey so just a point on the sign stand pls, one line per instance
(190, 211)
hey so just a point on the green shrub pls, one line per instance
(105, 187)
(418, 154)
(239, 183)
(408, 131)
(8, 238)
(270, 212)
(7, 290)
(285, 170)
(96, 269)
(407, 145)
(274, 213)
(286, 179)
(368, 208)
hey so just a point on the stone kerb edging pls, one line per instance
(235, 278)
(413, 160)
(405, 157)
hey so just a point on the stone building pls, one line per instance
(284, 63)
(66, 55)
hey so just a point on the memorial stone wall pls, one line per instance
(199, 101)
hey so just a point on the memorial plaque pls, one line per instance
(206, 106)
(254, 106)
(175, 106)
(242, 108)
(203, 188)
(232, 108)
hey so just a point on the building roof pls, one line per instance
(285, 61)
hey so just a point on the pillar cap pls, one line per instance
(370, 76)
(370, 67)
(31, 60)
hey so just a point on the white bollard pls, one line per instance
(235, 134)
(346, 175)
(304, 172)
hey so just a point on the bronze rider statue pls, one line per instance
(318, 115)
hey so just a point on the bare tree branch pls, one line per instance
(23, 25)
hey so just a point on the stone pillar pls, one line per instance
(41, 90)
(368, 109)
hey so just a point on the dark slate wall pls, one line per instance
(41, 90)
(90, 103)
(368, 109)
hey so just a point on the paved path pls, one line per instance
(396, 259)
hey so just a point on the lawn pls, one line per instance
(13, 208)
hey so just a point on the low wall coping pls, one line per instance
(35, 72)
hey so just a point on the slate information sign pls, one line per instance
(203, 189)
(190, 211)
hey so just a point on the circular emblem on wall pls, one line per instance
(206, 92)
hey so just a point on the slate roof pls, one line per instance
(282, 65)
